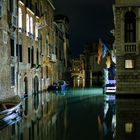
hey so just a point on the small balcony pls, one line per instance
(30, 7)
(23, 66)
(131, 48)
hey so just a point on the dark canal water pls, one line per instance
(76, 114)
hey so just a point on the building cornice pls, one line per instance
(126, 5)
(21, 3)
(51, 4)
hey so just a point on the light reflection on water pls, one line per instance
(128, 118)
(68, 115)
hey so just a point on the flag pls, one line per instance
(108, 61)
(99, 51)
(104, 50)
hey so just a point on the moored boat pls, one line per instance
(9, 105)
(59, 85)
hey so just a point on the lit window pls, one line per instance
(27, 24)
(19, 17)
(31, 25)
(129, 64)
(128, 127)
(36, 32)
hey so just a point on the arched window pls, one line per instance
(31, 25)
(130, 27)
(40, 42)
(19, 17)
(27, 24)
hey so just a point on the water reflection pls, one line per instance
(128, 119)
(74, 114)
(36, 100)
(25, 106)
(109, 119)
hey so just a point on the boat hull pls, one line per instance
(9, 106)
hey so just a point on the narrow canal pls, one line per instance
(75, 114)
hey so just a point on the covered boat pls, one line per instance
(59, 85)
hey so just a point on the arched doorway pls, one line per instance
(36, 84)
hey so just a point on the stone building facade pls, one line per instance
(127, 44)
(78, 72)
(59, 43)
(28, 47)
(93, 70)
(7, 43)
(62, 44)
(35, 46)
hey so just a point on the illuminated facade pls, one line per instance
(28, 47)
(127, 44)
(35, 46)
(78, 72)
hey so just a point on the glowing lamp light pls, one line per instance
(128, 127)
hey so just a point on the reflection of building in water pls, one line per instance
(128, 119)
(110, 117)
(107, 123)
(42, 119)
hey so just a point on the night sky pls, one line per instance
(89, 21)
